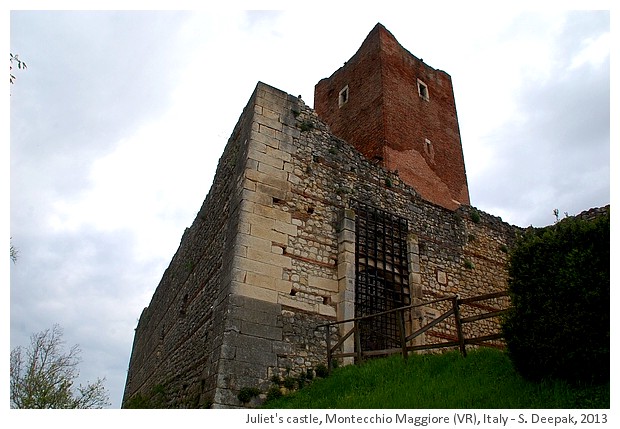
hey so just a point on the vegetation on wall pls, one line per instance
(559, 284)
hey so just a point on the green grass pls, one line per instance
(485, 379)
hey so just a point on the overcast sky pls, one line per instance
(120, 118)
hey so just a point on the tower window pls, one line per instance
(423, 90)
(430, 151)
(343, 96)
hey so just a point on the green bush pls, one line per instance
(246, 394)
(321, 371)
(289, 382)
(273, 393)
(559, 284)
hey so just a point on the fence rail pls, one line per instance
(405, 340)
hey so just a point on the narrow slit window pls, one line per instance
(423, 90)
(343, 96)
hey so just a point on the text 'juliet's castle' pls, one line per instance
(315, 216)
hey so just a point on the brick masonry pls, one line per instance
(394, 122)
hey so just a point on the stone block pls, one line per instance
(243, 228)
(268, 94)
(279, 154)
(249, 184)
(264, 267)
(260, 330)
(266, 159)
(275, 106)
(257, 219)
(346, 236)
(294, 132)
(270, 123)
(268, 234)
(254, 292)
(345, 310)
(274, 172)
(275, 213)
(256, 243)
(347, 224)
(286, 300)
(256, 197)
(279, 193)
(251, 164)
(346, 246)
(286, 227)
(269, 113)
(284, 286)
(262, 360)
(415, 278)
(254, 305)
(238, 275)
(282, 348)
(327, 310)
(260, 280)
(239, 250)
(272, 176)
(323, 283)
(270, 258)
(278, 180)
(346, 270)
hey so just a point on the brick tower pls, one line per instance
(400, 113)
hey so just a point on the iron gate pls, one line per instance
(382, 274)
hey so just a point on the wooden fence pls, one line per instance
(405, 340)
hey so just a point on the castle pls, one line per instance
(314, 216)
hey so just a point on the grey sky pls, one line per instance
(120, 118)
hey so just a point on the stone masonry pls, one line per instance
(270, 256)
(273, 253)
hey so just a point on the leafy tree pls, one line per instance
(14, 253)
(19, 63)
(42, 375)
(559, 327)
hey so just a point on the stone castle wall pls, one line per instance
(181, 331)
(271, 255)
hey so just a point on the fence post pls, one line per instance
(329, 349)
(459, 326)
(403, 334)
(358, 340)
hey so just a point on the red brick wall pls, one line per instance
(385, 118)
(360, 120)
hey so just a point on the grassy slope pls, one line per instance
(485, 379)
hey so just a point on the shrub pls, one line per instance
(246, 394)
(306, 126)
(559, 284)
(321, 371)
(274, 392)
(289, 382)
(475, 216)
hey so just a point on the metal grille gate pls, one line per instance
(382, 274)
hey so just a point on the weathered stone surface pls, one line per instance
(271, 256)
